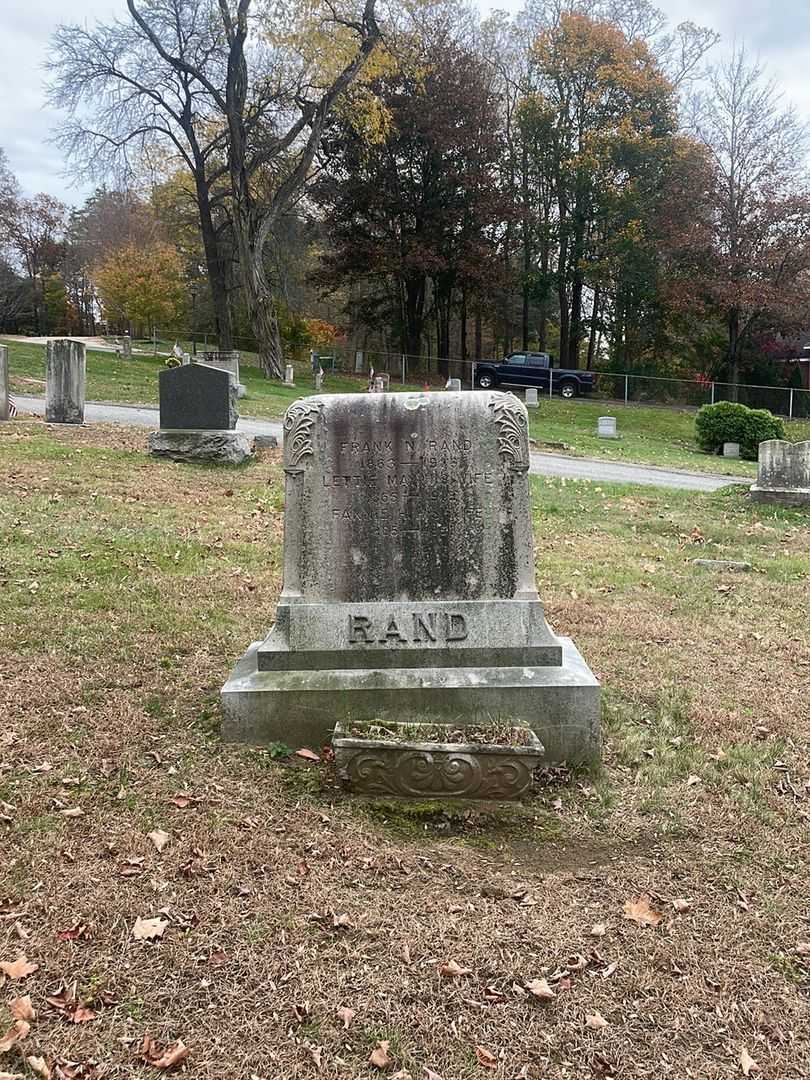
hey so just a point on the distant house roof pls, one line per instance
(794, 349)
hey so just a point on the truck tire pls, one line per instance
(569, 389)
(486, 380)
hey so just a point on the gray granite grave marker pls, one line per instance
(783, 474)
(606, 427)
(531, 397)
(64, 382)
(409, 587)
(198, 416)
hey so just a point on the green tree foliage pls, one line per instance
(729, 421)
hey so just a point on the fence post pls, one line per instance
(472, 376)
(790, 407)
(712, 393)
(626, 389)
(403, 369)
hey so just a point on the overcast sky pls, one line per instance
(777, 30)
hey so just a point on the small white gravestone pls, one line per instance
(289, 375)
(606, 427)
(319, 379)
(731, 449)
(379, 385)
(531, 397)
(126, 347)
(359, 362)
(5, 412)
(453, 384)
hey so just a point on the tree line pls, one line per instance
(581, 179)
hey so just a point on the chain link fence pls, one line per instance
(419, 370)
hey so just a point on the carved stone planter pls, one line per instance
(406, 767)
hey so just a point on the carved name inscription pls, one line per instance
(418, 627)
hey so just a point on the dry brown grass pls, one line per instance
(127, 589)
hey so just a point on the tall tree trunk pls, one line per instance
(526, 240)
(463, 325)
(734, 353)
(478, 332)
(594, 319)
(217, 278)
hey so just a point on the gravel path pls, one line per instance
(573, 468)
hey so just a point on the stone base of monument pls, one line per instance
(190, 444)
(406, 761)
(559, 702)
(790, 497)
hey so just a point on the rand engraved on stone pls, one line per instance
(513, 435)
(299, 421)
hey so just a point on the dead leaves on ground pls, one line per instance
(149, 929)
(642, 912)
(451, 970)
(168, 1057)
(379, 1057)
(18, 969)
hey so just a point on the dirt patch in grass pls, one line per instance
(128, 588)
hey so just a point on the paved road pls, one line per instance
(542, 464)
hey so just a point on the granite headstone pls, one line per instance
(783, 473)
(409, 586)
(64, 381)
(197, 397)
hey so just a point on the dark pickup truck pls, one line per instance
(534, 369)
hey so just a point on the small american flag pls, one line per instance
(12, 408)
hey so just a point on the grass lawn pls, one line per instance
(300, 929)
(648, 435)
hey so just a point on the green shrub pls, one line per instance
(728, 421)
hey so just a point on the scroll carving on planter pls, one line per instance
(299, 421)
(513, 435)
(421, 774)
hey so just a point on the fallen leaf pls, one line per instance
(451, 970)
(803, 948)
(72, 812)
(430, 1074)
(595, 1021)
(73, 933)
(149, 929)
(15, 1076)
(316, 1053)
(747, 1063)
(22, 1009)
(15, 1034)
(400, 1074)
(346, 1016)
(19, 968)
(640, 911)
(540, 989)
(379, 1055)
(486, 1058)
(307, 754)
(681, 905)
(598, 930)
(39, 1066)
(159, 838)
(182, 800)
(160, 1058)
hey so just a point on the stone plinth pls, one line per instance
(783, 474)
(184, 444)
(64, 382)
(409, 588)
(4, 405)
